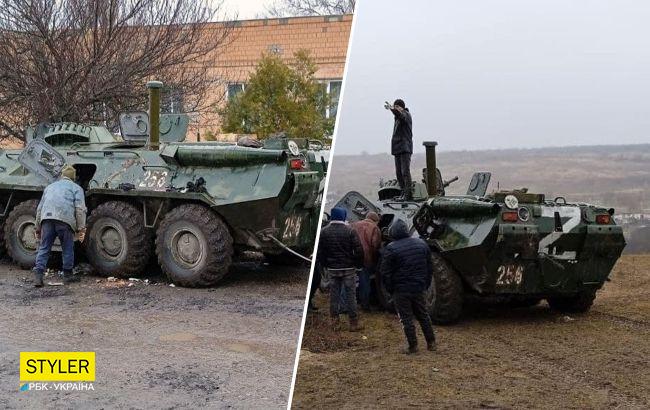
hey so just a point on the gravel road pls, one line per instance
(158, 346)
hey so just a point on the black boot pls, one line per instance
(411, 349)
(427, 329)
(69, 277)
(38, 279)
(412, 340)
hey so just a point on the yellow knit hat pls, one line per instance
(69, 172)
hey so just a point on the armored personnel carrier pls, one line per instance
(192, 206)
(517, 245)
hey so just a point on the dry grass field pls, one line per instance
(494, 358)
(615, 176)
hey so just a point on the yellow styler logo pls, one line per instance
(76, 368)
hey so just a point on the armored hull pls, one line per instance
(193, 207)
(512, 244)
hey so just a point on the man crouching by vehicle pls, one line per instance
(406, 269)
(340, 253)
(60, 213)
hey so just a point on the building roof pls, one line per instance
(326, 37)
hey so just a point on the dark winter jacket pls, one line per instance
(402, 141)
(339, 247)
(406, 265)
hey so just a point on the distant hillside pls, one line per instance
(613, 176)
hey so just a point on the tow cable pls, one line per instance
(288, 249)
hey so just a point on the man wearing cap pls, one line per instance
(370, 238)
(60, 214)
(340, 253)
(406, 270)
(402, 146)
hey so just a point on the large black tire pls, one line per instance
(19, 228)
(117, 243)
(194, 246)
(578, 303)
(3, 246)
(446, 294)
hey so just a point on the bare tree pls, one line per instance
(288, 8)
(88, 60)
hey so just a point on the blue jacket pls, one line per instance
(406, 264)
(63, 201)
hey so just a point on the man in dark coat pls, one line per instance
(340, 254)
(406, 269)
(402, 146)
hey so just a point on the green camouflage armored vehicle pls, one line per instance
(518, 246)
(193, 206)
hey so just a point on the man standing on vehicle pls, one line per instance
(340, 253)
(60, 214)
(406, 270)
(402, 146)
(370, 237)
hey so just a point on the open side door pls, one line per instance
(134, 126)
(479, 184)
(357, 206)
(40, 158)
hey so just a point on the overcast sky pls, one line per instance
(246, 9)
(480, 74)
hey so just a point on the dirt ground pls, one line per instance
(158, 346)
(494, 358)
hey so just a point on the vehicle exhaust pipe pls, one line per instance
(154, 113)
(430, 151)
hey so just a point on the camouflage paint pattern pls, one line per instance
(551, 247)
(255, 190)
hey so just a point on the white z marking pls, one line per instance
(571, 212)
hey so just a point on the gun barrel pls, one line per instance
(451, 181)
(443, 206)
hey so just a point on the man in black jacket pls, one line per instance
(402, 146)
(340, 254)
(406, 269)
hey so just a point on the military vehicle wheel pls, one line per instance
(19, 234)
(117, 243)
(447, 293)
(579, 303)
(3, 246)
(194, 246)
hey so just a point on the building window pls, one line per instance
(333, 88)
(335, 94)
(234, 89)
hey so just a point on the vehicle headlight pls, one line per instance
(524, 213)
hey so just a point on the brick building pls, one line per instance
(326, 37)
